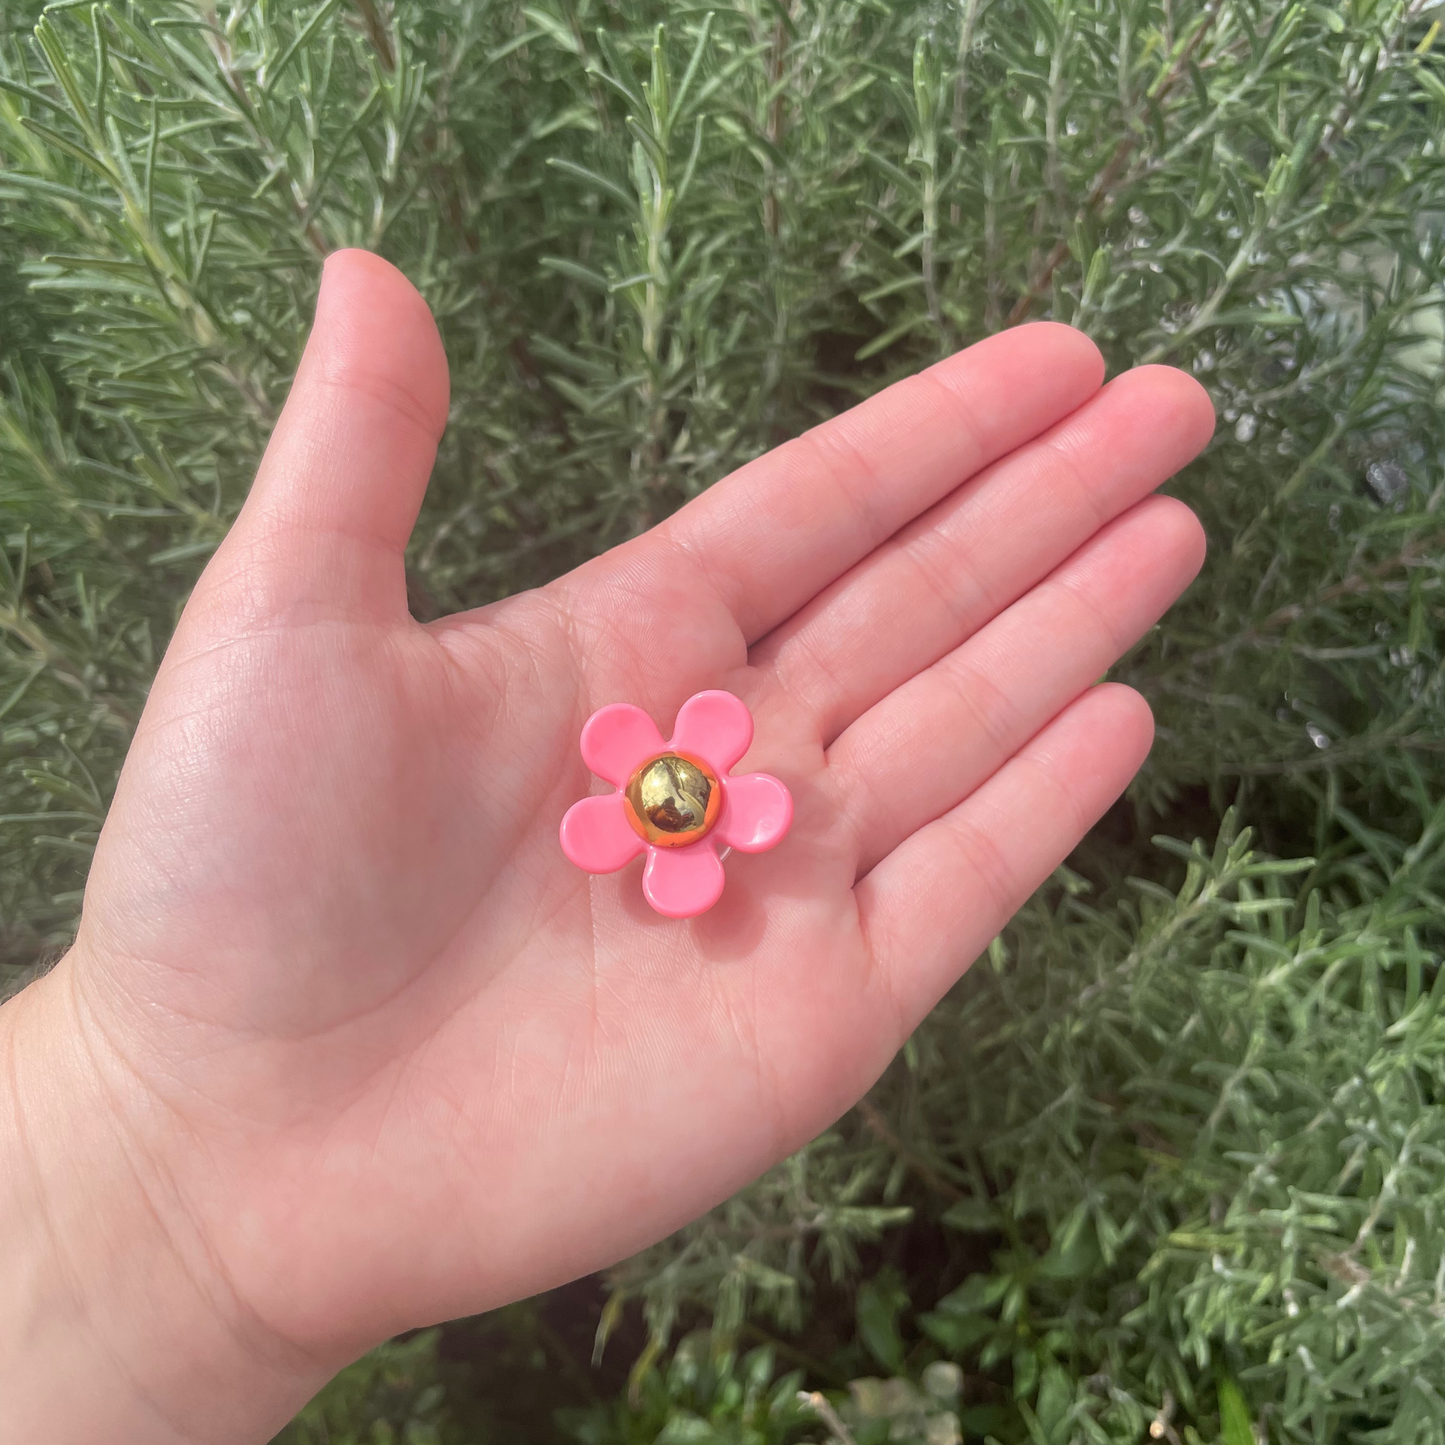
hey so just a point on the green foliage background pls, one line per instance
(1169, 1161)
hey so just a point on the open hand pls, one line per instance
(357, 1049)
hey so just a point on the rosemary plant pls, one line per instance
(1171, 1160)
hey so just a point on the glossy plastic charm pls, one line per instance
(674, 800)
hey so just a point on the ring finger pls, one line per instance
(933, 740)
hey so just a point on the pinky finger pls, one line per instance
(933, 904)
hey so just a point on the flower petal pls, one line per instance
(616, 739)
(714, 726)
(682, 882)
(757, 813)
(597, 836)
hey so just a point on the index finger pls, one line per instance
(778, 530)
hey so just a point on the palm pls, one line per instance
(339, 937)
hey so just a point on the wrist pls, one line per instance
(119, 1324)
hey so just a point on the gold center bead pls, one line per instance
(673, 800)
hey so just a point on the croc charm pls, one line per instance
(674, 800)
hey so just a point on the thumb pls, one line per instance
(324, 529)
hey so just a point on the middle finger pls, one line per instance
(940, 579)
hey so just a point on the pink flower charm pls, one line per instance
(674, 800)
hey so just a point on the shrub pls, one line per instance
(1168, 1161)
